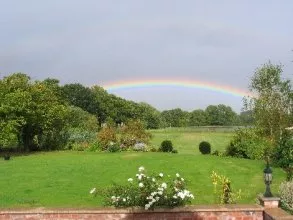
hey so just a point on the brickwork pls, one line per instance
(228, 212)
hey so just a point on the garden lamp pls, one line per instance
(268, 177)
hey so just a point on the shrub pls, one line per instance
(166, 146)
(148, 192)
(134, 132)
(78, 136)
(113, 147)
(79, 146)
(139, 147)
(248, 143)
(216, 153)
(205, 147)
(153, 149)
(94, 146)
(286, 195)
(106, 136)
(223, 191)
(174, 151)
(283, 154)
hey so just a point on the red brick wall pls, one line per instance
(228, 212)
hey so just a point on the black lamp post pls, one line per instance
(268, 177)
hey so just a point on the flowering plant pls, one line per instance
(149, 192)
(222, 189)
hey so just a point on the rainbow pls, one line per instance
(119, 85)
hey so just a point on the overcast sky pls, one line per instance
(100, 42)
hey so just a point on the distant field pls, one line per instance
(186, 140)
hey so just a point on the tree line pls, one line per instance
(39, 114)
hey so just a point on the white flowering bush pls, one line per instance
(149, 192)
(286, 195)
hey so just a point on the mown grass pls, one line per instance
(186, 140)
(63, 179)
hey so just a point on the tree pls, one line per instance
(32, 111)
(80, 96)
(246, 118)
(198, 118)
(175, 117)
(271, 103)
(220, 115)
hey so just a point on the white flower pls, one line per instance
(161, 174)
(153, 179)
(147, 206)
(177, 175)
(140, 185)
(124, 200)
(164, 185)
(175, 197)
(160, 193)
(130, 180)
(113, 197)
(191, 196)
(182, 179)
(140, 169)
(93, 191)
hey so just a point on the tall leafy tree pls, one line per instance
(32, 111)
(175, 117)
(198, 117)
(271, 103)
(220, 115)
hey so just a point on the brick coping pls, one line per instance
(194, 208)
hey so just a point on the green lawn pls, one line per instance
(63, 179)
(186, 140)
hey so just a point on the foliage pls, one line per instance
(283, 154)
(175, 118)
(32, 111)
(106, 136)
(113, 147)
(150, 116)
(248, 143)
(198, 118)
(148, 192)
(134, 132)
(174, 151)
(205, 147)
(220, 115)
(166, 146)
(286, 195)
(223, 191)
(271, 103)
(139, 147)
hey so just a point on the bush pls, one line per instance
(134, 132)
(286, 195)
(113, 147)
(139, 147)
(153, 149)
(283, 154)
(205, 147)
(174, 151)
(216, 153)
(106, 136)
(148, 192)
(94, 146)
(166, 146)
(248, 143)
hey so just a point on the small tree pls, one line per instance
(271, 102)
